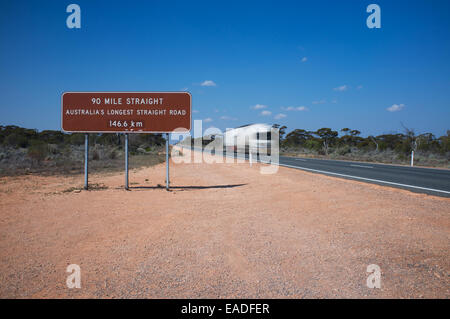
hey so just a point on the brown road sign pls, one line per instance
(130, 112)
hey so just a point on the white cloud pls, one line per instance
(319, 102)
(208, 83)
(259, 107)
(194, 111)
(295, 108)
(341, 88)
(266, 113)
(280, 116)
(334, 101)
(359, 87)
(304, 59)
(228, 118)
(207, 120)
(395, 107)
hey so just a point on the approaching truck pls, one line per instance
(255, 138)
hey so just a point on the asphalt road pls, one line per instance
(416, 179)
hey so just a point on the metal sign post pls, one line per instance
(86, 158)
(126, 161)
(127, 113)
(167, 161)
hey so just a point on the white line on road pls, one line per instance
(357, 177)
(300, 159)
(354, 165)
(365, 179)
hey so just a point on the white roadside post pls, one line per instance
(86, 159)
(250, 157)
(412, 158)
(167, 161)
(126, 161)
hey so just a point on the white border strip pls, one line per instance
(131, 132)
(364, 166)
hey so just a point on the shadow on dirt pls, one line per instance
(186, 187)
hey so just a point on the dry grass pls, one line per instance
(100, 161)
(92, 187)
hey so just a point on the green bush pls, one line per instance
(38, 152)
(95, 155)
(113, 154)
(16, 140)
(343, 150)
(77, 139)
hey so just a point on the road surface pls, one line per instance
(416, 179)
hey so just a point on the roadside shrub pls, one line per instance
(314, 145)
(53, 149)
(402, 157)
(77, 139)
(38, 152)
(16, 140)
(343, 150)
(112, 155)
(95, 155)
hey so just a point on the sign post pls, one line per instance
(126, 112)
(86, 159)
(167, 162)
(126, 161)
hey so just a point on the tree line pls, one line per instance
(325, 140)
(16, 136)
(41, 145)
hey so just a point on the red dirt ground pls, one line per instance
(225, 231)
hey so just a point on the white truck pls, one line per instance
(255, 138)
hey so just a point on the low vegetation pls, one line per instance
(349, 145)
(25, 151)
(92, 187)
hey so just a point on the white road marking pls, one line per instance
(300, 159)
(354, 165)
(365, 179)
(357, 177)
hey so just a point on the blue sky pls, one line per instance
(314, 62)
